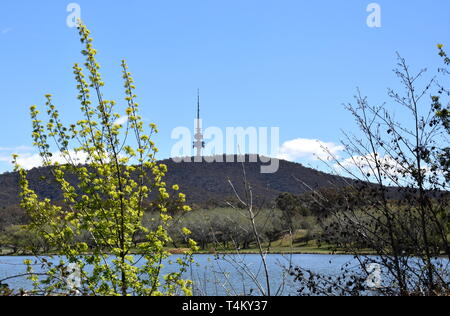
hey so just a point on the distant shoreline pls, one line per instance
(222, 253)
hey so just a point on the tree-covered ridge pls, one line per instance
(203, 183)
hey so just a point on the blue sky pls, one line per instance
(285, 63)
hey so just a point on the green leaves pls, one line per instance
(104, 194)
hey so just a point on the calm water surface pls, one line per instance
(222, 275)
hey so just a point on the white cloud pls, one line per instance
(16, 149)
(29, 161)
(365, 167)
(5, 158)
(7, 152)
(311, 149)
(6, 30)
(121, 121)
(35, 160)
(369, 162)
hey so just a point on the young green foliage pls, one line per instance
(115, 178)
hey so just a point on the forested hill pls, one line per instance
(201, 182)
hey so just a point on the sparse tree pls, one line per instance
(402, 205)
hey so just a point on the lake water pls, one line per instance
(224, 275)
(221, 275)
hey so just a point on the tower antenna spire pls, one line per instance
(198, 104)
(199, 143)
